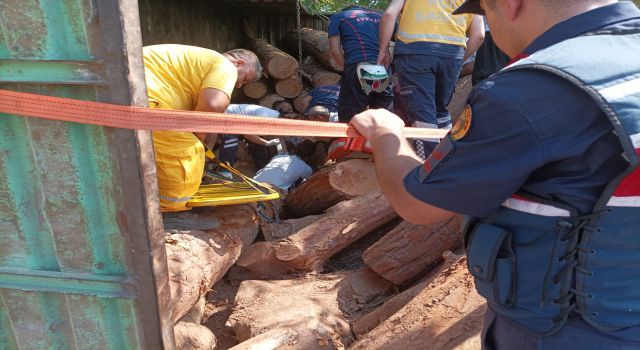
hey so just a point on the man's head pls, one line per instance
(248, 65)
(319, 113)
(516, 23)
(283, 106)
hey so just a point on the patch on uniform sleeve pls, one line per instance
(445, 147)
(462, 125)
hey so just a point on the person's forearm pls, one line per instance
(256, 139)
(473, 45)
(387, 23)
(394, 159)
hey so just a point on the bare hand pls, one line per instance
(376, 122)
(384, 58)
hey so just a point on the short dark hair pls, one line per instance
(248, 57)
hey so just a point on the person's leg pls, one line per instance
(446, 79)
(352, 99)
(416, 75)
(228, 150)
(381, 99)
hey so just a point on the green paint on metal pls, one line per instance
(4, 51)
(58, 72)
(66, 36)
(93, 165)
(118, 324)
(67, 282)
(51, 310)
(88, 324)
(7, 334)
(22, 24)
(25, 189)
(13, 251)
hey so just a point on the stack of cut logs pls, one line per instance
(283, 73)
(412, 293)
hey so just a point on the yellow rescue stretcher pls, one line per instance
(227, 192)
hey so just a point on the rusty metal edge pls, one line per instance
(140, 220)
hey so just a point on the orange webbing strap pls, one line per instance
(139, 118)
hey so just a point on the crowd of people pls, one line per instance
(543, 161)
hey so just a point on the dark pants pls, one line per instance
(227, 151)
(426, 86)
(489, 59)
(502, 334)
(352, 98)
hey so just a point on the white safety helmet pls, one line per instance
(372, 77)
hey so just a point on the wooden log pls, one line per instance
(361, 289)
(290, 87)
(276, 63)
(256, 89)
(274, 231)
(314, 43)
(274, 339)
(371, 320)
(317, 74)
(261, 306)
(197, 311)
(409, 250)
(446, 314)
(310, 247)
(330, 185)
(197, 258)
(269, 99)
(301, 102)
(191, 336)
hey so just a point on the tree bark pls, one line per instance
(197, 258)
(276, 63)
(285, 228)
(307, 306)
(330, 185)
(409, 250)
(447, 314)
(270, 340)
(317, 74)
(309, 248)
(314, 43)
(191, 336)
(256, 89)
(301, 102)
(371, 320)
(269, 99)
(290, 87)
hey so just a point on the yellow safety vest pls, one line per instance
(433, 21)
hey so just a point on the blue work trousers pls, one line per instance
(502, 334)
(426, 85)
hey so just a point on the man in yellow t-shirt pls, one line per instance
(190, 78)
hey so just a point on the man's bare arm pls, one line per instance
(475, 33)
(336, 50)
(387, 24)
(211, 100)
(394, 159)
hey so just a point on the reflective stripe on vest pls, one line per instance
(432, 21)
(574, 264)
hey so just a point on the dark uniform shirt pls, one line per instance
(358, 31)
(536, 134)
(326, 96)
(532, 133)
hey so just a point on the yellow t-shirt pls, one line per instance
(175, 75)
(433, 21)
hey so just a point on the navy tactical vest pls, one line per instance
(537, 261)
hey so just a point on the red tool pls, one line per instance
(345, 146)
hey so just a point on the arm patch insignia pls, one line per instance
(462, 125)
